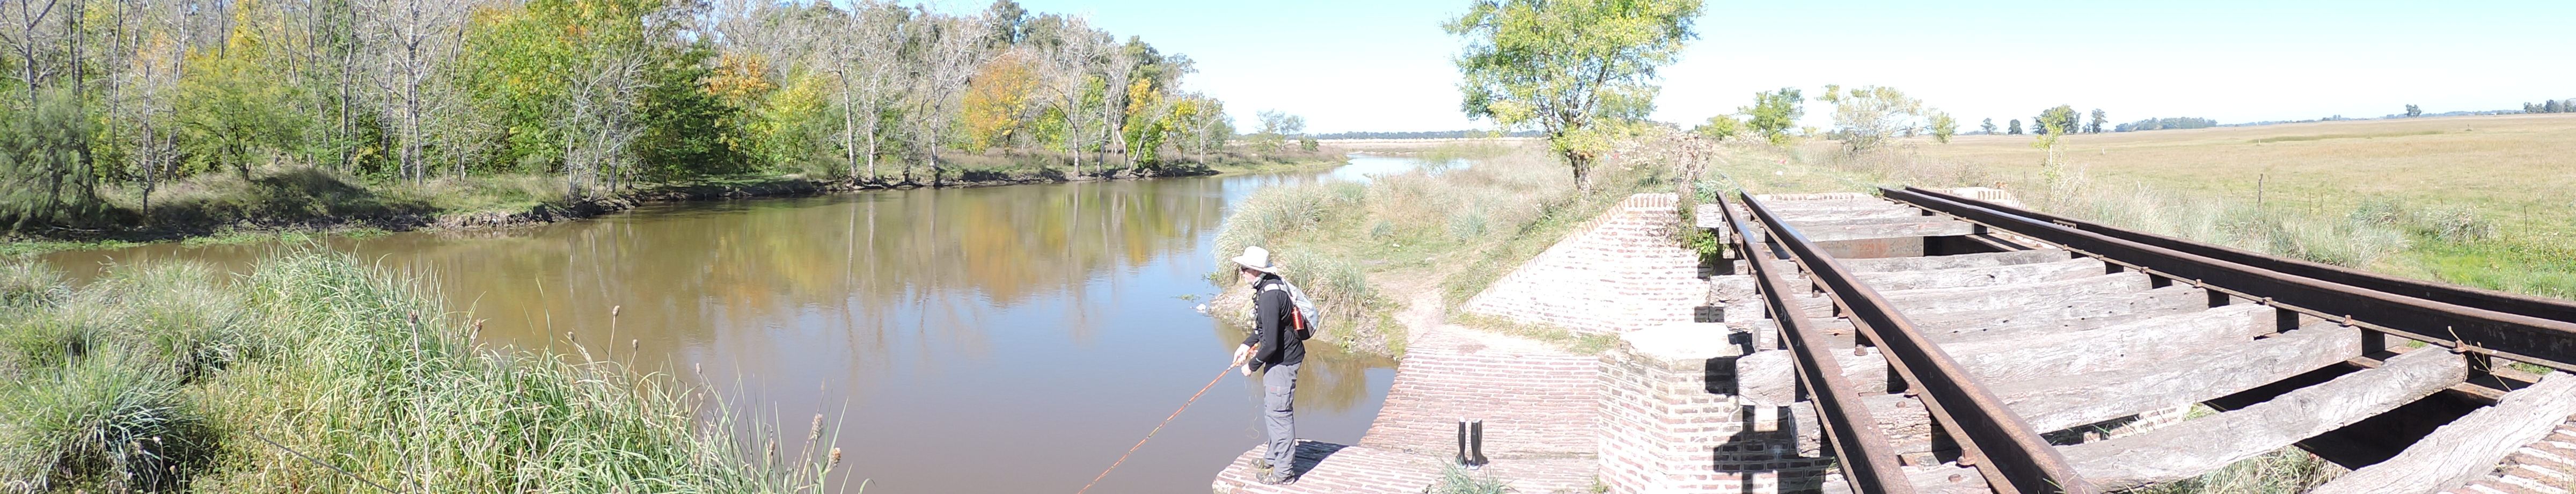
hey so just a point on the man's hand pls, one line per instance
(1241, 354)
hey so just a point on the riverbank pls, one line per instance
(1395, 257)
(173, 376)
(303, 203)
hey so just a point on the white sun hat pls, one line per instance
(1256, 258)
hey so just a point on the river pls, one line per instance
(1009, 339)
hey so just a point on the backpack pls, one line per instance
(1307, 317)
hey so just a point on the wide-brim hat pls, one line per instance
(1257, 259)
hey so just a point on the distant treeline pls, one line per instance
(2551, 106)
(2166, 123)
(1442, 134)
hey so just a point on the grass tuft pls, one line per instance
(1456, 479)
(169, 377)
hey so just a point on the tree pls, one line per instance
(2016, 127)
(2056, 121)
(2099, 118)
(2412, 111)
(1721, 127)
(1988, 127)
(1274, 130)
(1943, 126)
(1579, 70)
(946, 55)
(1775, 112)
(40, 162)
(1867, 116)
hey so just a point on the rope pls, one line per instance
(1149, 435)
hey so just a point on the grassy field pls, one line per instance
(2470, 200)
(319, 374)
(2475, 200)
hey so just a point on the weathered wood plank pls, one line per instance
(1887, 281)
(2468, 447)
(1853, 218)
(1929, 227)
(2201, 445)
(2054, 355)
(1983, 259)
(1915, 303)
(2053, 404)
(2074, 312)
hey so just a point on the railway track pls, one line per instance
(1948, 344)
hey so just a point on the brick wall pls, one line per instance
(1670, 422)
(1620, 272)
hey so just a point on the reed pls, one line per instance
(167, 377)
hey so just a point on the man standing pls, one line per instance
(1275, 349)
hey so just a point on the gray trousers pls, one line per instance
(1278, 415)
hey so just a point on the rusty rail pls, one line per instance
(2521, 337)
(2510, 303)
(1993, 438)
(1867, 459)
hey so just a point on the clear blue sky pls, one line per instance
(1383, 65)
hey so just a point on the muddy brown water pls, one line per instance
(1006, 339)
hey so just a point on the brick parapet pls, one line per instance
(1619, 272)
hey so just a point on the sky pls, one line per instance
(1384, 65)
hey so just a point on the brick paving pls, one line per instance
(1539, 403)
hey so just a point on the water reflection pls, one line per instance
(1032, 329)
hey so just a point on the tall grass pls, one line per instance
(1438, 229)
(2286, 471)
(167, 377)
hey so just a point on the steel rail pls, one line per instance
(1867, 459)
(2526, 338)
(2510, 303)
(1993, 438)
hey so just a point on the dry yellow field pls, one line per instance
(2513, 175)
(2516, 169)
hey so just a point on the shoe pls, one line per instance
(1276, 478)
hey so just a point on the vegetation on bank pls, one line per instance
(302, 202)
(1366, 250)
(170, 377)
(170, 112)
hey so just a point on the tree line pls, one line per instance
(1439, 134)
(2545, 106)
(603, 93)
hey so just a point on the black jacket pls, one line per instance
(1274, 334)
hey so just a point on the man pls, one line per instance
(1274, 349)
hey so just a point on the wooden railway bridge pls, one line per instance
(1948, 344)
(1920, 341)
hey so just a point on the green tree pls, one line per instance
(2055, 121)
(2016, 127)
(1720, 127)
(43, 180)
(1943, 126)
(2412, 111)
(1988, 127)
(2099, 118)
(1580, 71)
(1275, 128)
(1867, 116)
(1775, 112)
